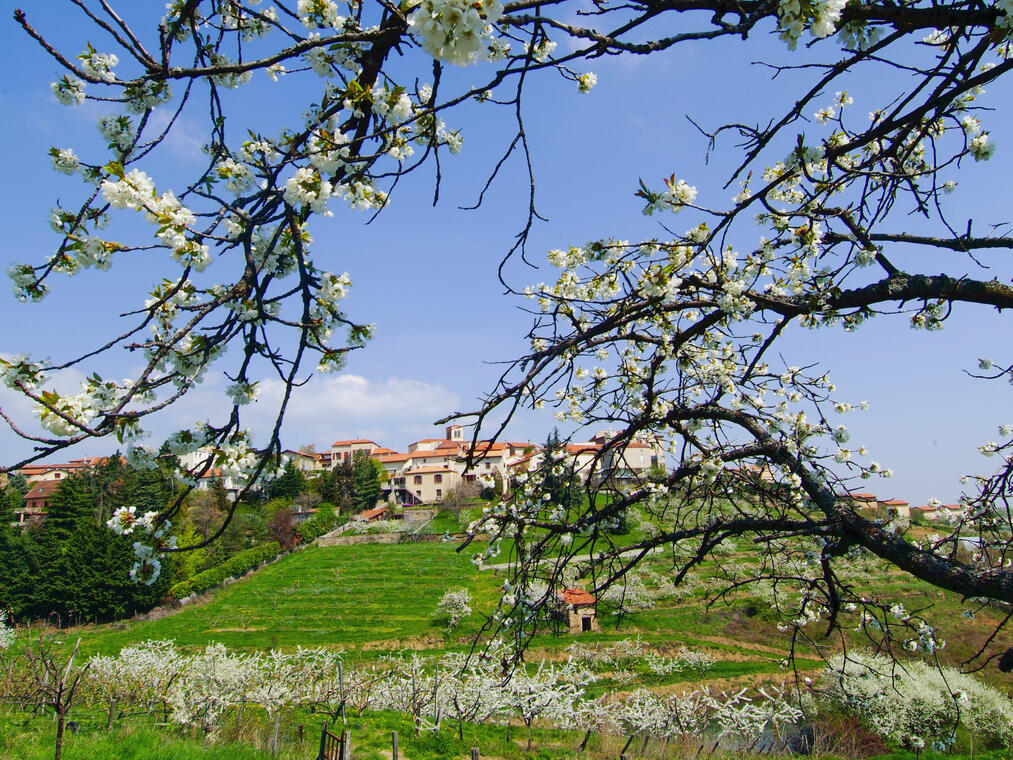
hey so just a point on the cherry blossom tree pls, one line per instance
(677, 341)
(670, 340)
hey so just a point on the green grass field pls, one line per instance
(365, 598)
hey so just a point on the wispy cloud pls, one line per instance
(184, 140)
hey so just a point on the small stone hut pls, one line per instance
(580, 607)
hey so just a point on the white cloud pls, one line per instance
(349, 405)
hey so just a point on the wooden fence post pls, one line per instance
(323, 740)
(393, 745)
(474, 754)
(346, 748)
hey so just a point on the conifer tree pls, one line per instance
(366, 474)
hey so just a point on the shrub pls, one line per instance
(234, 567)
(324, 521)
(454, 607)
(914, 703)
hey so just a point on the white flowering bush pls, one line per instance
(914, 702)
(454, 606)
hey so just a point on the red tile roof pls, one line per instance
(578, 597)
(350, 443)
(484, 447)
(43, 489)
(369, 514)
(582, 448)
(894, 503)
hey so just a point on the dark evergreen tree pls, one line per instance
(10, 500)
(151, 490)
(366, 479)
(73, 567)
(343, 497)
(289, 484)
(12, 497)
(325, 485)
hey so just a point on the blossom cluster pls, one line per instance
(455, 31)
(124, 522)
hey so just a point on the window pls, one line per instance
(585, 623)
(439, 491)
(418, 480)
(437, 479)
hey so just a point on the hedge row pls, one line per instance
(244, 561)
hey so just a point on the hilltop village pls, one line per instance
(431, 468)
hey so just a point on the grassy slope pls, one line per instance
(356, 596)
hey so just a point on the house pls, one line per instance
(304, 461)
(631, 460)
(898, 506)
(927, 511)
(428, 484)
(372, 515)
(344, 451)
(33, 473)
(580, 608)
(44, 479)
(37, 501)
(200, 465)
(434, 466)
(863, 500)
(302, 513)
(604, 460)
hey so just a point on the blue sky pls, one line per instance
(427, 276)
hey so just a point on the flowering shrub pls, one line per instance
(454, 606)
(916, 702)
(686, 659)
